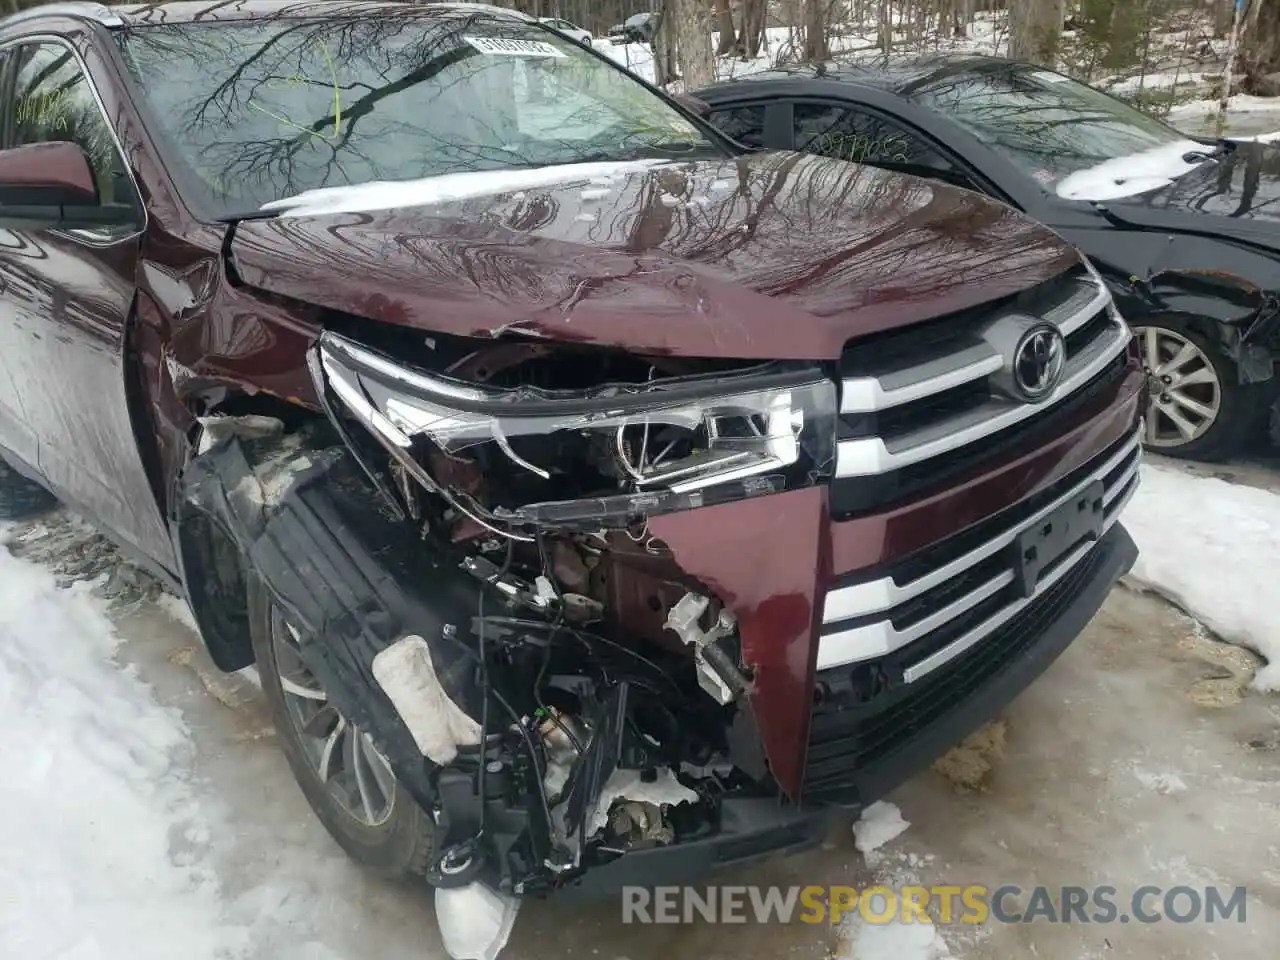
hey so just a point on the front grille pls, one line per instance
(845, 739)
(898, 623)
(918, 405)
(859, 496)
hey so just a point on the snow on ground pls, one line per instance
(636, 57)
(1241, 103)
(95, 799)
(1159, 80)
(877, 825)
(148, 822)
(1211, 547)
(892, 941)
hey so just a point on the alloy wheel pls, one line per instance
(341, 756)
(1185, 391)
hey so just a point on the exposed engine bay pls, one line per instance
(465, 557)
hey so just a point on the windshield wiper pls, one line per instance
(674, 146)
(664, 150)
(1221, 147)
(233, 218)
(232, 221)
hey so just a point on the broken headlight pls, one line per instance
(606, 455)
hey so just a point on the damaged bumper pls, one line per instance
(639, 686)
(353, 582)
(960, 701)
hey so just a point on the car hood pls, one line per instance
(1237, 197)
(769, 255)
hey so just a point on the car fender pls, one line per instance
(1232, 290)
(334, 554)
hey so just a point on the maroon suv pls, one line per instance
(597, 498)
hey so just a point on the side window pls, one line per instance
(744, 124)
(53, 100)
(849, 134)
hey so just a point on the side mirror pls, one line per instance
(691, 103)
(52, 174)
(46, 185)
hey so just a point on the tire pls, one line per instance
(398, 843)
(20, 498)
(1223, 413)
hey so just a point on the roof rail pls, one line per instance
(486, 7)
(98, 12)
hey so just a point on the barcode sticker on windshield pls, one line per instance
(513, 48)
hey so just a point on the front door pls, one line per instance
(72, 293)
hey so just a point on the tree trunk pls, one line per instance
(663, 44)
(724, 23)
(815, 31)
(1035, 27)
(690, 28)
(1261, 52)
(752, 33)
(1224, 12)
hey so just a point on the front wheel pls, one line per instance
(344, 777)
(1197, 408)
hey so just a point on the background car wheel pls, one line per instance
(344, 778)
(21, 498)
(1197, 407)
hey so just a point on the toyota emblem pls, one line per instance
(1038, 361)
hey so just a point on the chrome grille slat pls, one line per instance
(838, 647)
(951, 368)
(974, 636)
(1078, 309)
(906, 384)
(963, 370)
(868, 456)
(882, 637)
(879, 595)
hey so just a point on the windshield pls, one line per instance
(1073, 139)
(263, 110)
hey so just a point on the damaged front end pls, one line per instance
(483, 572)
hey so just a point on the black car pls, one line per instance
(1186, 230)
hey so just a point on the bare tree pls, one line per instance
(884, 30)
(682, 44)
(724, 24)
(1224, 12)
(752, 34)
(1261, 55)
(663, 44)
(1035, 27)
(693, 43)
(816, 28)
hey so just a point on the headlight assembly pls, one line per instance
(596, 457)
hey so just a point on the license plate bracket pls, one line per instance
(1044, 542)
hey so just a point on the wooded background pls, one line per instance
(1090, 39)
(1210, 47)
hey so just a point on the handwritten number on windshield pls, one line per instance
(337, 103)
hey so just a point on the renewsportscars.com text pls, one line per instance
(971, 904)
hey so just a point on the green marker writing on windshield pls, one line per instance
(337, 102)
